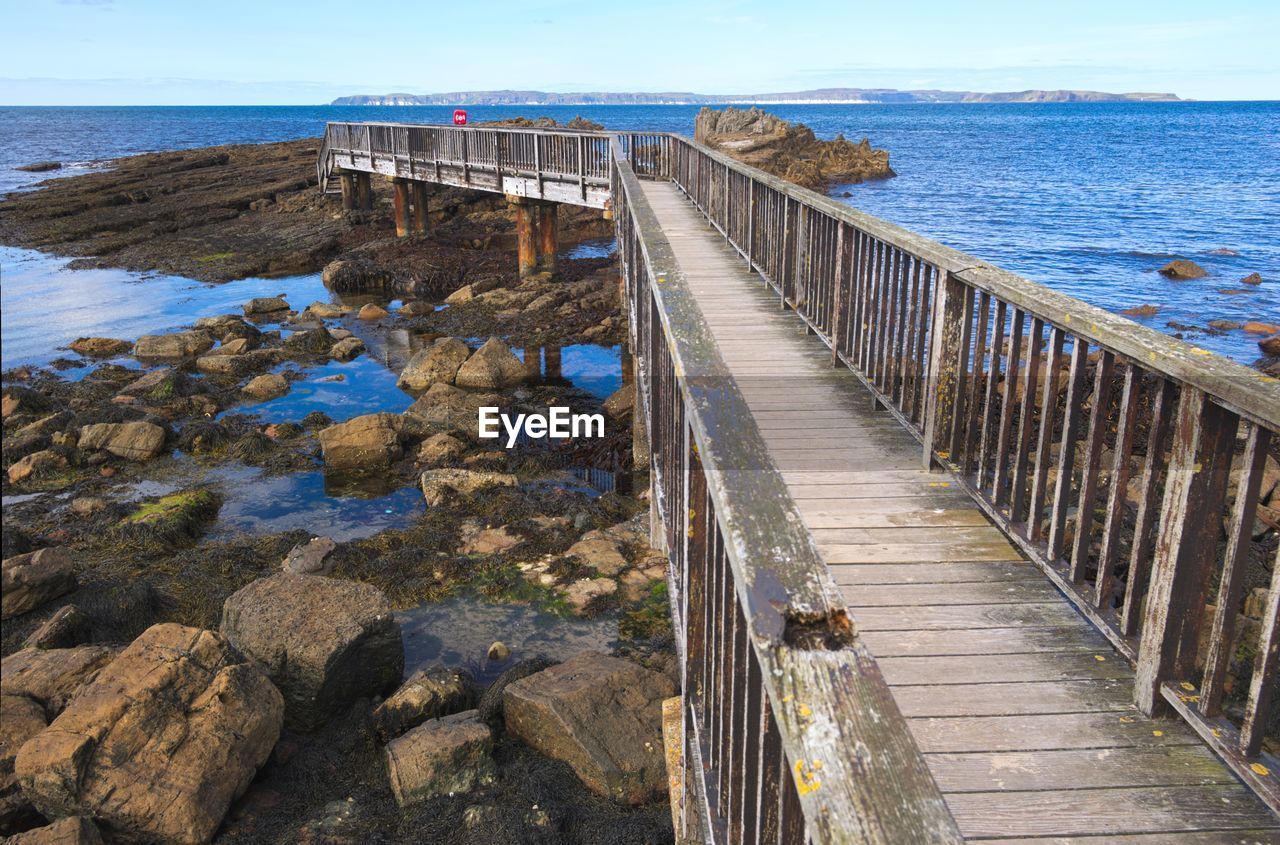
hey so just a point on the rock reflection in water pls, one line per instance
(459, 631)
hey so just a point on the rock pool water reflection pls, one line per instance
(458, 632)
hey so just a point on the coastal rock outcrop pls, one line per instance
(267, 386)
(324, 641)
(265, 305)
(355, 275)
(32, 579)
(603, 716)
(440, 485)
(162, 740)
(100, 347)
(788, 150)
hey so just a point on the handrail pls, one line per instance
(780, 694)
(1021, 390)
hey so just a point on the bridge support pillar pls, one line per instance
(420, 193)
(347, 180)
(548, 235)
(526, 235)
(402, 206)
(364, 192)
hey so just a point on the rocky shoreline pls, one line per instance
(280, 656)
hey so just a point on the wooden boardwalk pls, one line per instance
(1023, 711)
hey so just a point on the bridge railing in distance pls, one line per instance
(790, 733)
(559, 165)
(1123, 462)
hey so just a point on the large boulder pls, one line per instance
(134, 441)
(52, 677)
(267, 386)
(445, 408)
(36, 464)
(441, 757)
(74, 830)
(32, 579)
(493, 366)
(160, 743)
(440, 449)
(603, 716)
(325, 642)
(315, 341)
(21, 718)
(176, 345)
(436, 364)
(366, 442)
(346, 348)
(439, 486)
(428, 694)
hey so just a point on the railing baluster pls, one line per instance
(990, 420)
(1071, 422)
(1266, 671)
(1044, 443)
(1148, 508)
(1026, 422)
(1004, 440)
(1101, 410)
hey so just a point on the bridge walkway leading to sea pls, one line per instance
(953, 556)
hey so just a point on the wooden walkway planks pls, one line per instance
(1021, 708)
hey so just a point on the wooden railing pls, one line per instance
(1123, 462)
(558, 165)
(790, 733)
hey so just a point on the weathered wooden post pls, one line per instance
(548, 235)
(944, 364)
(420, 195)
(526, 235)
(553, 370)
(348, 181)
(364, 192)
(1186, 546)
(401, 187)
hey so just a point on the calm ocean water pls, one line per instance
(1089, 198)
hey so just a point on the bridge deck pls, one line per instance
(1022, 709)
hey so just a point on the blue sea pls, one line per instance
(1088, 198)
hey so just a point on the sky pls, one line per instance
(282, 52)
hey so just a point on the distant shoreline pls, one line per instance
(819, 96)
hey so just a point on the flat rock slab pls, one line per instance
(160, 743)
(325, 642)
(134, 441)
(603, 716)
(441, 757)
(28, 581)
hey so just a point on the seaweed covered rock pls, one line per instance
(325, 642)
(355, 275)
(32, 579)
(603, 716)
(160, 743)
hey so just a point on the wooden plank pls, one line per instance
(877, 514)
(962, 593)
(933, 573)
(1006, 668)
(1076, 637)
(1015, 699)
(938, 617)
(1018, 771)
(908, 552)
(1104, 812)
(1217, 837)
(928, 535)
(1047, 732)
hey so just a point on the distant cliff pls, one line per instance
(818, 95)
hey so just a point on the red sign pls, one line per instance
(459, 117)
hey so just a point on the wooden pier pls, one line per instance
(912, 603)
